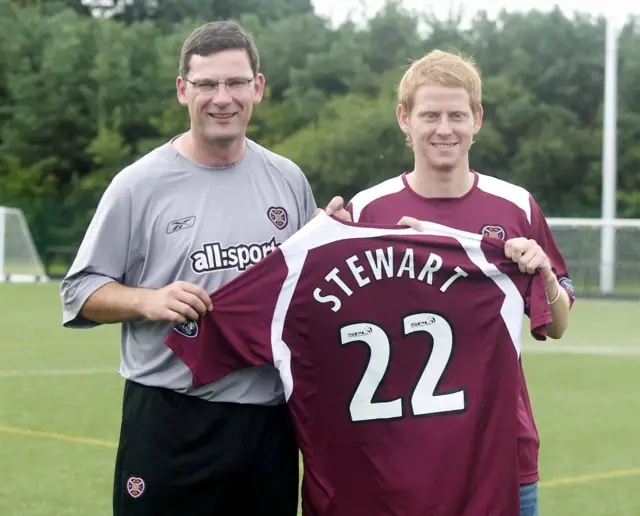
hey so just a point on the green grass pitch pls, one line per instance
(60, 400)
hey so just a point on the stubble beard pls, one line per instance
(221, 141)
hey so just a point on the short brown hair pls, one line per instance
(217, 36)
(439, 68)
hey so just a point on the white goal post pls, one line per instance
(602, 255)
(19, 259)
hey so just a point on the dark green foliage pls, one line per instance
(82, 96)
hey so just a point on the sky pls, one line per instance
(618, 10)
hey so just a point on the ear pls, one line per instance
(181, 90)
(258, 87)
(477, 119)
(403, 118)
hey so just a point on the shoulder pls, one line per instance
(277, 163)
(518, 196)
(370, 195)
(151, 165)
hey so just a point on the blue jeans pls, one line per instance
(529, 499)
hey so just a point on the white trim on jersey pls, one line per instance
(512, 308)
(492, 185)
(280, 350)
(323, 230)
(362, 199)
(508, 191)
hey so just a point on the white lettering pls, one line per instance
(337, 304)
(381, 267)
(333, 276)
(200, 262)
(356, 271)
(255, 254)
(243, 258)
(459, 274)
(407, 264)
(381, 261)
(434, 263)
(213, 257)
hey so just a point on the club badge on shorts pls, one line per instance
(135, 487)
(278, 216)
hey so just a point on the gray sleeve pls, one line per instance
(308, 201)
(103, 254)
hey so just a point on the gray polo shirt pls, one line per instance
(165, 218)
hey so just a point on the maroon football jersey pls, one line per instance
(398, 351)
(492, 208)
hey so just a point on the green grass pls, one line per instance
(587, 407)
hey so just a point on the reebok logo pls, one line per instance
(180, 224)
(214, 257)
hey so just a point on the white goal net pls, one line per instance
(603, 256)
(19, 260)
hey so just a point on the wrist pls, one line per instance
(139, 301)
(553, 290)
(549, 276)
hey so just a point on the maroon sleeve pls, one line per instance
(349, 208)
(541, 233)
(537, 307)
(361, 219)
(534, 290)
(237, 333)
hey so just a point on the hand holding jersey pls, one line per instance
(335, 207)
(529, 256)
(176, 302)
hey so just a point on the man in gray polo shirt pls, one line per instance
(169, 230)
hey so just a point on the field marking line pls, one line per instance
(59, 437)
(534, 349)
(527, 349)
(581, 479)
(17, 373)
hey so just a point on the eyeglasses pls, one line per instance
(206, 86)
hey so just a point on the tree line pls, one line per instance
(87, 87)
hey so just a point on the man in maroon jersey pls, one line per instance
(398, 352)
(440, 112)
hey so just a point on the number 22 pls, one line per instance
(424, 401)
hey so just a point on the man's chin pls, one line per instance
(444, 166)
(223, 140)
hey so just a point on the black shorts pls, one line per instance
(182, 456)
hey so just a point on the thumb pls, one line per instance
(411, 222)
(336, 204)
